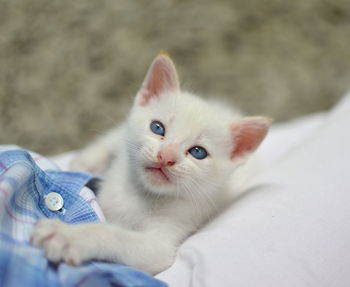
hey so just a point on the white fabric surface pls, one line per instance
(292, 227)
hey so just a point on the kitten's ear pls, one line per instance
(161, 77)
(247, 134)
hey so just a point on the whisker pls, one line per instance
(201, 192)
(196, 207)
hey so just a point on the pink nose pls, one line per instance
(167, 154)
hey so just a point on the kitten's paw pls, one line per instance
(92, 159)
(60, 241)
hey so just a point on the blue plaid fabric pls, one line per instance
(25, 178)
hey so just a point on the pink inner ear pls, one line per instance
(248, 134)
(161, 77)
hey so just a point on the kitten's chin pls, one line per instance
(158, 176)
(157, 181)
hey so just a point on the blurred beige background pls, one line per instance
(69, 69)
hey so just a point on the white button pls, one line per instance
(54, 201)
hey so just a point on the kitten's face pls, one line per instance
(179, 144)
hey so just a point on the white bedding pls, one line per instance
(292, 227)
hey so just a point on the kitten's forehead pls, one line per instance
(192, 118)
(172, 117)
(186, 117)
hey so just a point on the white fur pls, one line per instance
(147, 217)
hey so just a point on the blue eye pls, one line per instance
(198, 152)
(157, 128)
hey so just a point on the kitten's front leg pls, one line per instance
(150, 251)
(70, 243)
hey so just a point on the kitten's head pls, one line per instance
(181, 145)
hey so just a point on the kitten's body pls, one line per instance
(157, 190)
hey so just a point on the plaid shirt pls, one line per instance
(25, 179)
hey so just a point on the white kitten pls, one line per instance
(175, 156)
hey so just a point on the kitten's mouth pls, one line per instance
(159, 173)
